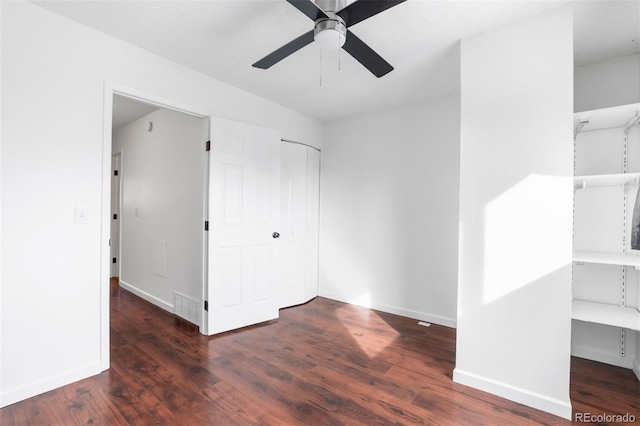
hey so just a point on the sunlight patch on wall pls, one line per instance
(363, 300)
(521, 226)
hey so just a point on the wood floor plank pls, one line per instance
(279, 404)
(134, 400)
(377, 398)
(232, 406)
(322, 363)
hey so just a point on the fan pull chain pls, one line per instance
(320, 67)
(339, 56)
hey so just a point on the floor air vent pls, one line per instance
(186, 307)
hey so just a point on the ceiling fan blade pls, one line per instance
(364, 9)
(366, 55)
(308, 8)
(286, 50)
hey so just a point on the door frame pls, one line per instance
(119, 153)
(110, 89)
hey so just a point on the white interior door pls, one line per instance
(244, 198)
(293, 224)
(299, 220)
(312, 223)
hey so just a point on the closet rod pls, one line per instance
(300, 143)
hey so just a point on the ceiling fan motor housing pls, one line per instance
(331, 5)
(330, 33)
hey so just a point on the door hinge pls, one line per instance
(115, 173)
(115, 216)
(206, 305)
(206, 225)
(208, 146)
(113, 260)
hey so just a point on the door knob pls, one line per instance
(275, 235)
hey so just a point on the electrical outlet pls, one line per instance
(81, 216)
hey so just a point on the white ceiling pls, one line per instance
(222, 38)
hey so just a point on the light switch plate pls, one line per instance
(81, 216)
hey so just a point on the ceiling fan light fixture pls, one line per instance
(331, 19)
(330, 34)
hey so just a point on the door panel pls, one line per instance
(244, 191)
(262, 268)
(232, 194)
(262, 195)
(232, 276)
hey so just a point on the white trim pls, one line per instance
(610, 359)
(636, 367)
(523, 396)
(204, 318)
(105, 229)
(120, 217)
(159, 101)
(2, 401)
(421, 316)
(45, 385)
(146, 296)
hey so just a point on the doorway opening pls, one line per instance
(158, 204)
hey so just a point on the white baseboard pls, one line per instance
(610, 359)
(45, 385)
(636, 367)
(519, 395)
(420, 316)
(146, 296)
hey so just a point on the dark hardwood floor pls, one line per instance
(322, 363)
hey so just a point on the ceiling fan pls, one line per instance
(332, 20)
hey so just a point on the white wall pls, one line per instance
(162, 201)
(54, 273)
(606, 84)
(389, 209)
(514, 294)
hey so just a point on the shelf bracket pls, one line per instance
(633, 122)
(629, 183)
(583, 122)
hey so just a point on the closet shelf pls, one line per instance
(601, 313)
(588, 181)
(606, 118)
(607, 258)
